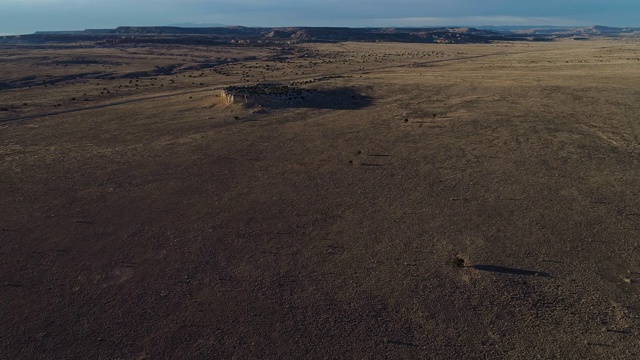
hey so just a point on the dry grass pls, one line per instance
(160, 223)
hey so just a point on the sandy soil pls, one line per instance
(151, 221)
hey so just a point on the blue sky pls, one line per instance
(27, 16)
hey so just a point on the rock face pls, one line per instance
(227, 97)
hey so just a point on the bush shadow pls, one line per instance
(510, 271)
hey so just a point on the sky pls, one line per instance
(28, 16)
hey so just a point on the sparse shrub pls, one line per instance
(457, 261)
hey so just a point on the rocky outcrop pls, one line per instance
(264, 94)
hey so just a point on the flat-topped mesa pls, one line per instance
(261, 93)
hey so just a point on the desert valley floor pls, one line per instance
(141, 217)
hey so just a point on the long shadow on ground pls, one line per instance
(508, 270)
(343, 98)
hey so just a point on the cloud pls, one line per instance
(472, 21)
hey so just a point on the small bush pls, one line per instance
(457, 261)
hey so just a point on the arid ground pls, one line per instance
(142, 218)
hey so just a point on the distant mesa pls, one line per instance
(217, 34)
(278, 34)
(192, 25)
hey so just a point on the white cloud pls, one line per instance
(471, 21)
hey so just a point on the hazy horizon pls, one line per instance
(28, 16)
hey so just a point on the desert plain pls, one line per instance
(419, 201)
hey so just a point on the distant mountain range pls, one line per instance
(196, 34)
(596, 30)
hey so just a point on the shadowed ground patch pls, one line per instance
(508, 270)
(276, 95)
